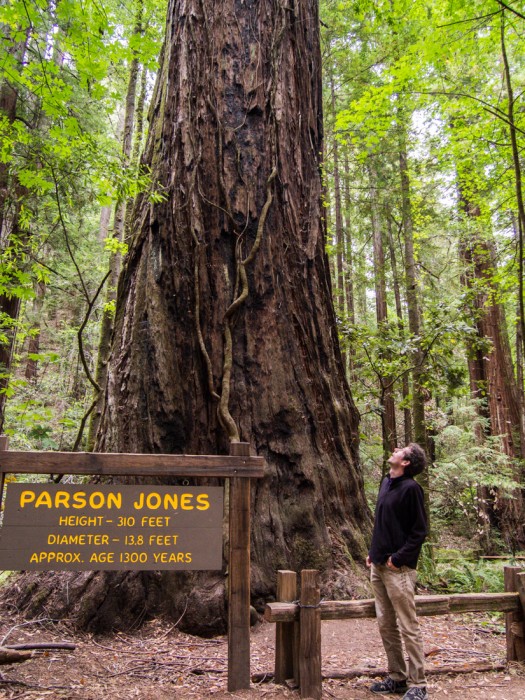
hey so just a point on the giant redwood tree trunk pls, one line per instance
(225, 328)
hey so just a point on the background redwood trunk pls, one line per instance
(491, 373)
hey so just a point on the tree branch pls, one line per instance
(510, 9)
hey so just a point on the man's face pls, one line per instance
(398, 461)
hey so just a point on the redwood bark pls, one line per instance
(235, 131)
(491, 372)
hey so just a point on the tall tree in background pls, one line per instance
(387, 404)
(225, 328)
(11, 194)
(118, 233)
(491, 371)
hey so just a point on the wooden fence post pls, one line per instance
(4, 443)
(521, 630)
(310, 636)
(514, 622)
(239, 578)
(285, 632)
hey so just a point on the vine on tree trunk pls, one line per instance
(240, 295)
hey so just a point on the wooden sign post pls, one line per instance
(190, 504)
(239, 578)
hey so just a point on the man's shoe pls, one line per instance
(416, 693)
(389, 687)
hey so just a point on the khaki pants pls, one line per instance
(396, 616)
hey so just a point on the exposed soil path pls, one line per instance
(158, 662)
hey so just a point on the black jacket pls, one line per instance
(400, 525)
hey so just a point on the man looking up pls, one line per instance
(400, 528)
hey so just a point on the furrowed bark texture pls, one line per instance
(235, 131)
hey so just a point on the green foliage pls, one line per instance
(469, 472)
(113, 245)
(427, 77)
(4, 576)
(464, 576)
(68, 64)
(46, 415)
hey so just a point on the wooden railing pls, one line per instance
(298, 621)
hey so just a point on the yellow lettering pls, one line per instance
(97, 500)
(102, 557)
(138, 505)
(153, 501)
(203, 501)
(186, 501)
(62, 499)
(44, 500)
(115, 500)
(79, 499)
(163, 540)
(26, 497)
(155, 521)
(172, 557)
(171, 500)
(59, 557)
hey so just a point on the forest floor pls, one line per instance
(158, 662)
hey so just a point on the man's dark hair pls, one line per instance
(417, 458)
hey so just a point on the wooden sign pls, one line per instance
(54, 527)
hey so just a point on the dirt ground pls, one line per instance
(159, 662)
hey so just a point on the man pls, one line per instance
(400, 528)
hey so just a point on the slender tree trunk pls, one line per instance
(105, 218)
(10, 195)
(339, 285)
(517, 174)
(8, 101)
(10, 309)
(33, 347)
(413, 305)
(348, 263)
(387, 405)
(225, 327)
(138, 139)
(491, 372)
(407, 414)
(520, 230)
(349, 256)
(377, 240)
(106, 326)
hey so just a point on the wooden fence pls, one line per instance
(298, 621)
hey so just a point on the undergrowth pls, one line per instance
(450, 572)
